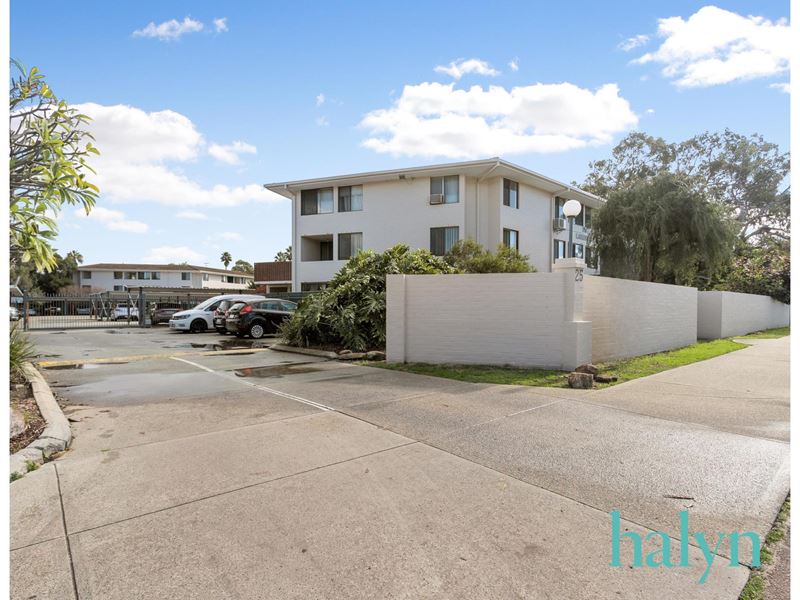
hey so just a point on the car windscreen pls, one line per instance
(205, 304)
(236, 306)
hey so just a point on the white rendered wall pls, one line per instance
(631, 318)
(724, 314)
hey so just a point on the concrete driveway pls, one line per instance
(199, 473)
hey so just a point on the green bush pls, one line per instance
(468, 256)
(351, 311)
(20, 350)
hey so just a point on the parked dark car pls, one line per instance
(258, 318)
(161, 312)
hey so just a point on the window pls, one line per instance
(186, 276)
(510, 193)
(351, 198)
(349, 245)
(581, 215)
(205, 276)
(313, 286)
(129, 275)
(447, 186)
(559, 249)
(326, 250)
(577, 250)
(442, 239)
(587, 221)
(86, 274)
(119, 288)
(313, 202)
(511, 238)
(559, 208)
(155, 275)
(118, 274)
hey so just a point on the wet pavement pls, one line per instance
(195, 474)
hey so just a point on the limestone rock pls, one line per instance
(581, 381)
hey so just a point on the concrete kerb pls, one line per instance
(347, 356)
(57, 434)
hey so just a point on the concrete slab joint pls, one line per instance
(57, 434)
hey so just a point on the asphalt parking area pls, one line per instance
(196, 474)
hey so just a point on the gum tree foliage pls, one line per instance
(49, 147)
(351, 312)
(662, 230)
(743, 174)
(242, 266)
(468, 256)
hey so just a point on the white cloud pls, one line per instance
(169, 30)
(113, 219)
(220, 24)
(433, 119)
(783, 87)
(633, 42)
(458, 68)
(192, 215)
(650, 111)
(716, 46)
(320, 99)
(322, 121)
(173, 254)
(513, 64)
(138, 155)
(230, 154)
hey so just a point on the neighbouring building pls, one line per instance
(491, 201)
(273, 277)
(117, 277)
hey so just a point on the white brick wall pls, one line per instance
(514, 319)
(631, 318)
(723, 314)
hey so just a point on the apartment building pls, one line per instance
(491, 201)
(117, 277)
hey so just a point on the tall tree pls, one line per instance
(743, 174)
(662, 230)
(61, 276)
(49, 147)
(284, 255)
(242, 266)
(226, 258)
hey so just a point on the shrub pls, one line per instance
(351, 311)
(468, 256)
(20, 350)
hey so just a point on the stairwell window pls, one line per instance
(351, 198)
(349, 245)
(510, 193)
(447, 187)
(577, 250)
(587, 219)
(315, 202)
(511, 238)
(442, 239)
(559, 249)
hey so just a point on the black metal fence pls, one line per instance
(111, 309)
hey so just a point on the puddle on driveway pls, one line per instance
(81, 366)
(229, 344)
(275, 370)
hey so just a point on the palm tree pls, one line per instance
(226, 259)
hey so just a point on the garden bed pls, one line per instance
(24, 404)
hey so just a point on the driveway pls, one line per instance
(215, 472)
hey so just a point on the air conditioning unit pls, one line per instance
(559, 224)
(436, 198)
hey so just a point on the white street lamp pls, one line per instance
(572, 208)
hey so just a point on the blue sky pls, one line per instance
(193, 116)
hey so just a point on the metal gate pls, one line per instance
(73, 312)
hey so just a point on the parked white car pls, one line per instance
(14, 313)
(201, 317)
(121, 312)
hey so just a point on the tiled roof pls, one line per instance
(170, 267)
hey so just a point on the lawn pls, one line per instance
(625, 370)
(767, 334)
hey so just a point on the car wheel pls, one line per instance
(256, 331)
(198, 325)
